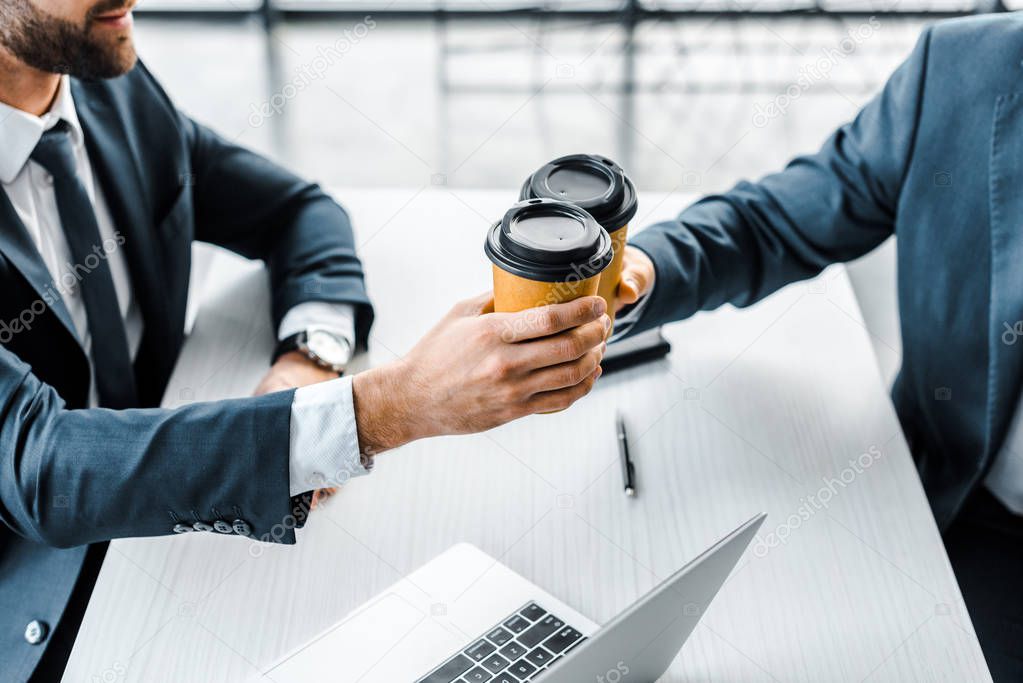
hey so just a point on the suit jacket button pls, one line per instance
(202, 526)
(35, 632)
(222, 527)
(182, 528)
(241, 527)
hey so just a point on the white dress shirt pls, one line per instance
(324, 438)
(1005, 479)
(624, 322)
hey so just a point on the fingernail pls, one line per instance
(600, 371)
(603, 348)
(607, 323)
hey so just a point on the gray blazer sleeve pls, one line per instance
(828, 207)
(250, 205)
(71, 477)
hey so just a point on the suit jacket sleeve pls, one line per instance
(831, 206)
(252, 206)
(71, 477)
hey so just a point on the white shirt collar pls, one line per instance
(20, 131)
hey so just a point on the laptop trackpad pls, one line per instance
(366, 645)
(417, 623)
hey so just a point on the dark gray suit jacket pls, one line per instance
(936, 159)
(71, 476)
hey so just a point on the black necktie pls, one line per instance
(115, 378)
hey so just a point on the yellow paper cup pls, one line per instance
(600, 187)
(545, 252)
(513, 293)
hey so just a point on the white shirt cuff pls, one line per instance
(625, 323)
(338, 318)
(324, 437)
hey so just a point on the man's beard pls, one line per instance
(56, 45)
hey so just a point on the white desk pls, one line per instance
(754, 410)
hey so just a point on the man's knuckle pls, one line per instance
(498, 372)
(593, 334)
(492, 327)
(564, 348)
(581, 341)
(509, 393)
(550, 319)
(499, 368)
(543, 319)
(484, 336)
(562, 377)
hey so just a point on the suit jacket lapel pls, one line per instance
(18, 247)
(1005, 346)
(115, 162)
(116, 168)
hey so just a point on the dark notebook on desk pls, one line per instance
(641, 348)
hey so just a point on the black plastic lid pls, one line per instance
(549, 241)
(589, 181)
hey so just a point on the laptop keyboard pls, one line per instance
(523, 646)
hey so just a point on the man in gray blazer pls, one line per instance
(105, 187)
(936, 159)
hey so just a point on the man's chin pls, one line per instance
(108, 61)
(128, 62)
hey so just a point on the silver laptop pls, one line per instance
(466, 618)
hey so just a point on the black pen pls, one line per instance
(628, 468)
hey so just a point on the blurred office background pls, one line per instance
(688, 95)
(475, 93)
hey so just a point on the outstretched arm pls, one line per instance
(828, 207)
(71, 477)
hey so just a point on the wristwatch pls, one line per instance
(323, 346)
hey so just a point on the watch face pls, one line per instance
(329, 348)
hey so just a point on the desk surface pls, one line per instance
(755, 410)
